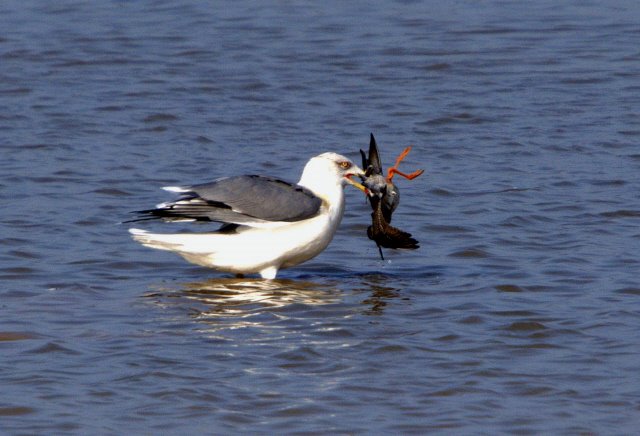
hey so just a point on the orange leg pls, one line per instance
(394, 169)
(409, 176)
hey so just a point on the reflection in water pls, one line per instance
(235, 303)
(380, 293)
(231, 295)
(378, 299)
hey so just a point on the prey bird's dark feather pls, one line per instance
(384, 197)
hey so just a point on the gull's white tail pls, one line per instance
(171, 242)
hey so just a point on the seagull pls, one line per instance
(267, 223)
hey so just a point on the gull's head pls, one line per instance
(330, 169)
(335, 167)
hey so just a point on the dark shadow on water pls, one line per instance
(380, 296)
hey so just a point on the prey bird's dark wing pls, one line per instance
(387, 236)
(380, 189)
(246, 200)
(371, 164)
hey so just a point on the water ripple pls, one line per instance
(513, 315)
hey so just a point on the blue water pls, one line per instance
(518, 314)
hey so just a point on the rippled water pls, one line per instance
(519, 314)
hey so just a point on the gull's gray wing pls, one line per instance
(249, 200)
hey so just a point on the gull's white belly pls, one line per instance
(253, 250)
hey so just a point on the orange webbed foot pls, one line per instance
(409, 176)
(394, 169)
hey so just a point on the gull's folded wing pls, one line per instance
(248, 200)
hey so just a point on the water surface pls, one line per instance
(519, 313)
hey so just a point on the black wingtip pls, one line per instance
(138, 219)
(167, 214)
(365, 161)
(374, 158)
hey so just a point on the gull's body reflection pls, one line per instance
(231, 303)
(243, 299)
(224, 294)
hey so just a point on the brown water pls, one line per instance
(519, 314)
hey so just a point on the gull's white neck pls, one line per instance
(326, 184)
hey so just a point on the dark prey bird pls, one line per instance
(384, 197)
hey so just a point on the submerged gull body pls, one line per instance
(268, 224)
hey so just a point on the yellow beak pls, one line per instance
(356, 172)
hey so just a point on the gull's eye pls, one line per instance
(345, 165)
